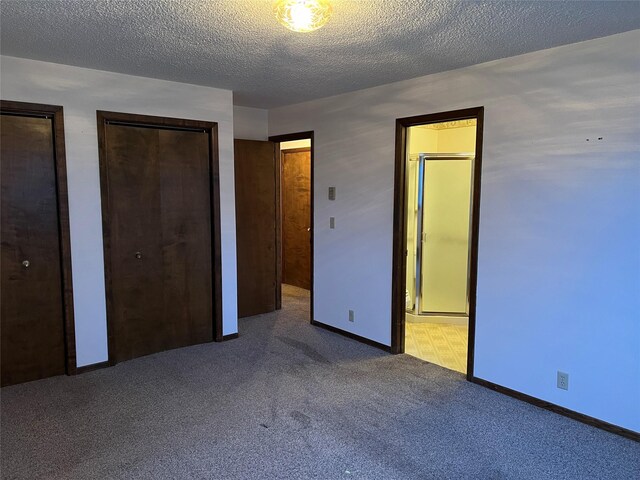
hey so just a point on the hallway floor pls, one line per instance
(287, 400)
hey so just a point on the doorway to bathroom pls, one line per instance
(437, 192)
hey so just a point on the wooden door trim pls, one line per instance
(398, 272)
(309, 135)
(103, 118)
(399, 264)
(580, 417)
(56, 113)
(277, 158)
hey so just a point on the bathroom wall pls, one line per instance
(457, 139)
(422, 139)
(450, 139)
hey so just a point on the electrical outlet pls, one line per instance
(563, 380)
(352, 316)
(332, 193)
(332, 222)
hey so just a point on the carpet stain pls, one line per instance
(304, 348)
(301, 418)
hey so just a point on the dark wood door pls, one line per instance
(296, 217)
(255, 177)
(159, 221)
(32, 318)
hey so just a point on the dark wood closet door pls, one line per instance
(135, 280)
(160, 279)
(255, 178)
(32, 320)
(185, 207)
(296, 218)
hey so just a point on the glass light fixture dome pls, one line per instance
(302, 15)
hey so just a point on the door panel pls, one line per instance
(32, 305)
(186, 236)
(160, 239)
(255, 174)
(446, 224)
(135, 232)
(296, 218)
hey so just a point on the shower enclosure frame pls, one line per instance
(417, 297)
(398, 288)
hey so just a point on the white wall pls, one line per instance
(250, 123)
(290, 145)
(81, 92)
(559, 266)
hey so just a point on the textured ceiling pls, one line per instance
(237, 44)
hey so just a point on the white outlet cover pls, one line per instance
(563, 380)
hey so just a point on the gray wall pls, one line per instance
(250, 123)
(559, 266)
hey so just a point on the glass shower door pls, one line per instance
(446, 221)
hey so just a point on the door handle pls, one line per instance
(26, 263)
(138, 255)
(309, 229)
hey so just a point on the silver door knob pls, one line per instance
(138, 255)
(26, 263)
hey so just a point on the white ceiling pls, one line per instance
(238, 45)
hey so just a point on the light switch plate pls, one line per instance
(332, 222)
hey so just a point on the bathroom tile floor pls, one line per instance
(442, 344)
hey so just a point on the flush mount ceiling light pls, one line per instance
(302, 15)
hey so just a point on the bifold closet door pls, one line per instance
(32, 319)
(255, 181)
(160, 239)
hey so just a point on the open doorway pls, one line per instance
(438, 165)
(295, 194)
(294, 216)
